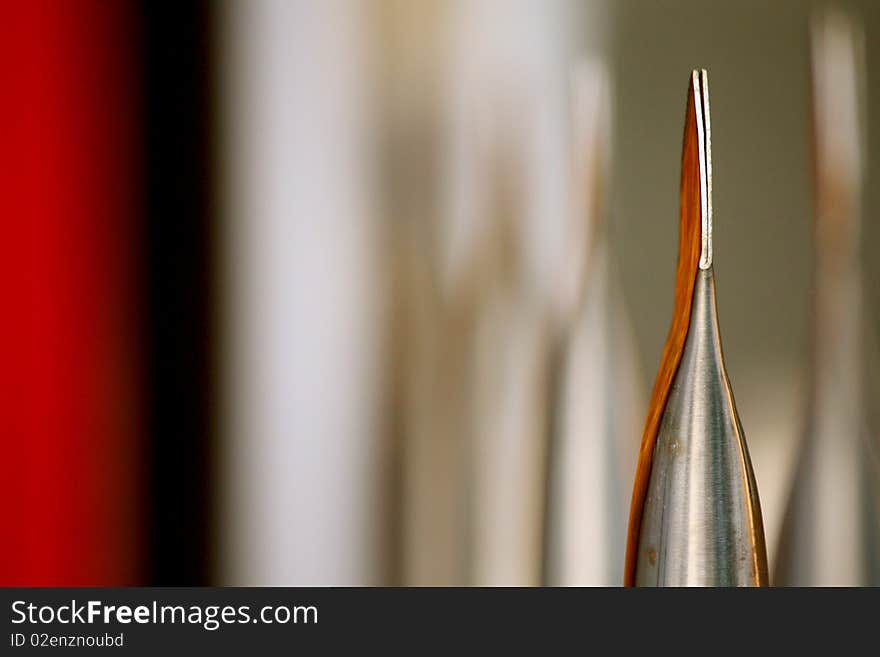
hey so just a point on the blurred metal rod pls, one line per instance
(831, 531)
(303, 462)
(593, 380)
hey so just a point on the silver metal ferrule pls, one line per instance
(701, 524)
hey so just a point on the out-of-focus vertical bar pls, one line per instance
(508, 450)
(69, 404)
(302, 462)
(594, 447)
(180, 327)
(831, 531)
(498, 254)
(422, 391)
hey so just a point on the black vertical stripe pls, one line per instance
(178, 127)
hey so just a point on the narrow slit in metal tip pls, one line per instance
(704, 139)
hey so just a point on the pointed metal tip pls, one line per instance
(694, 259)
(695, 516)
(704, 142)
(696, 171)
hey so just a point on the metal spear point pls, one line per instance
(695, 518)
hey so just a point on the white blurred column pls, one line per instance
(302, 460)
(600, 405)
(831, 529)
(508, 118)
(509, 76)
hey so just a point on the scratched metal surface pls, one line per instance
(702, 519)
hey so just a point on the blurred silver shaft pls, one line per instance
(597, 398)
(831, 531)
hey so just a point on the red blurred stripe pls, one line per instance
(68, 164)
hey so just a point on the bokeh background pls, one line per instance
(313, 293)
